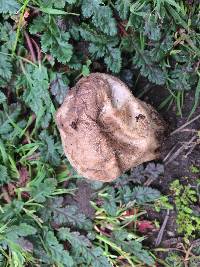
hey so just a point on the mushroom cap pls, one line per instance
(105, 130)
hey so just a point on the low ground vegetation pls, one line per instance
(49, 216)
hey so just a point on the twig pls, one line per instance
(170, 152)
(185, 124)
(187, 256)
(189, 130)
(149, 181)
(38, 50)
(175, 155)
(30, 47)
(191, 149)
(161, 232)
(183, 147)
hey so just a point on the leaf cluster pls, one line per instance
(185, 200)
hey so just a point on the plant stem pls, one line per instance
(116, 248)
(19, 26)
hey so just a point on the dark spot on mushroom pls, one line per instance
(140, 117)
(74, 125)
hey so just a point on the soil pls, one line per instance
(181, 159)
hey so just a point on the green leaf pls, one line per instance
(136, 248)
(71, 216)
(58, 255)
(7, 36)
(4, 177)
(10, 124)
(113, 60)
(53, 39)
(121, 237)
(5, 69)
(59, 86)
(50, 149)
(43, 190)
(57, 45)
(103, 46)
(102, 16)
(21, 230)
(123, 7)
(53, 11)
(9, 6)
(11, 210)
(152, 29)
(47, 6)
(62, 214)
(177, 17)
(140, 194)
(180, 79)
(2, 97)
(38, 24)
(109, 204)
(36, 95)
(83, 250)
(148, 67)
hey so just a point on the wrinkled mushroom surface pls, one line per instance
(105, 130)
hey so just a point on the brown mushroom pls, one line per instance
(105, 130)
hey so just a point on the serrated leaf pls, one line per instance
(7, 36)
(38, 24)
(109, 204)
(136, 248)
(10, 124)
(21, 230)
(71, 216)
(123, 7)
(2, 97)
(62, 214)
(59, 86)
(83, 249)
(5, 68)
(57, 4)
(36, 95)
(50, 149)
(140, 194)
(133, 247)
(4, 177)
(149, 68)
(113, 60)
(89, 7)
(43, 190)
(9, 6)
(104, 20)
(180, 80)
(152, 29)
(53, 39)
(102, 16)
(153, 170)
(59, 256)
(102, 46)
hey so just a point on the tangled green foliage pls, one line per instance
(161, 38)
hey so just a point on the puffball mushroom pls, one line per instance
(105, 130)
